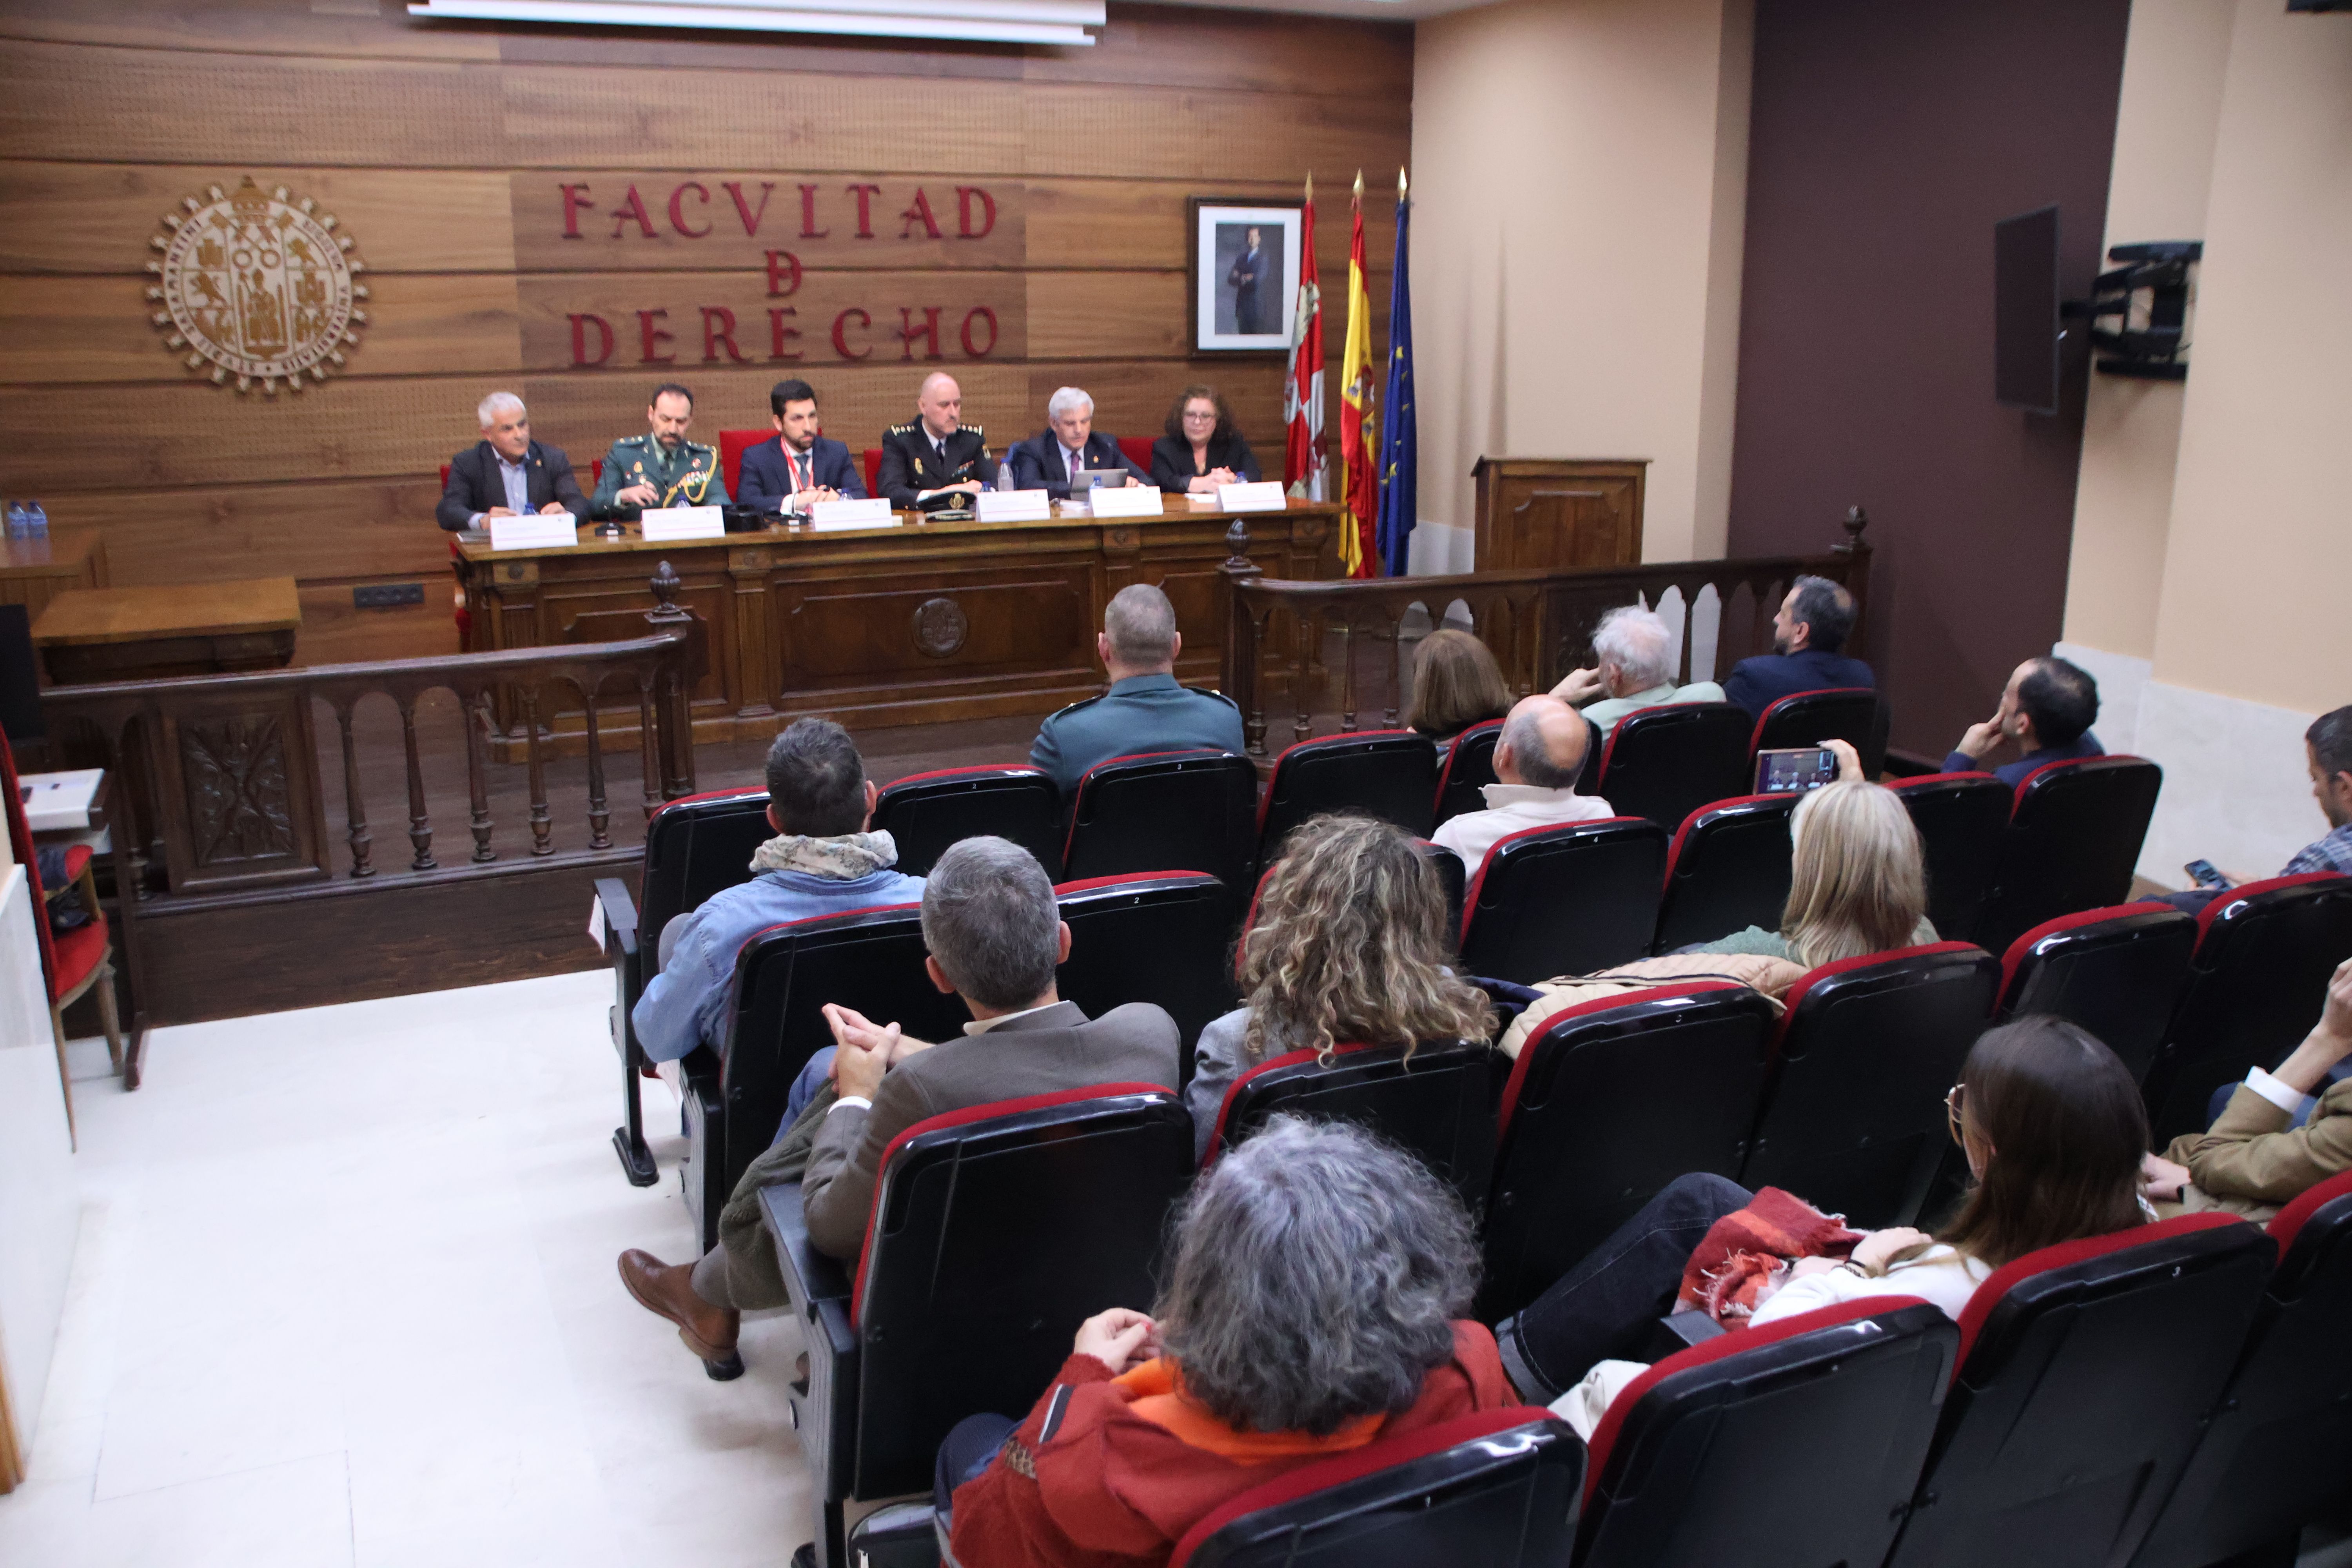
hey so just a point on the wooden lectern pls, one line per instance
(1548, 513)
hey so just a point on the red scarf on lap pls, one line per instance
(1747, 1253)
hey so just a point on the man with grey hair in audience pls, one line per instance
(1145, 710)
(1634, 669)
(995, 938)
(1052, 458)
(506, 473)
(1538, 757)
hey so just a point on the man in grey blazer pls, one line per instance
(995, 938)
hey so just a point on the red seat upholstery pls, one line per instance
(1564, 900)
(925, 813)
(1665, 762)
(1469, 767)
(1387, 773)
(1963, 823)
(1153, 938)
(1727, 870)
(2074, 833)
(1498, 1489)
(1138, 449)
(2085, 1372)
(1848, 713)
(873, 457)
(1819, 1422)
(1854, 1118)
(1164, 811)
(733, 445)
(2116, 972)
(78, 953)
(2264, 951)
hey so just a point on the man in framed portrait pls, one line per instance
(1247, 272)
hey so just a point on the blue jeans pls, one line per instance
(967, 1449)
(813, 1077)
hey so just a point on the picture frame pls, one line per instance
(1231, 313)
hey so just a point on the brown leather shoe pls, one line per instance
(667, 1290)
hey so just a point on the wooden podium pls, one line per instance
(1550, 513)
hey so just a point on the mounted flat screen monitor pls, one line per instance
(2025, 331)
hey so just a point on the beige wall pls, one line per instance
(1581, 169)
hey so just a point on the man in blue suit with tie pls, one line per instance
(799, 468)
(1807, 636)
(1068, 445)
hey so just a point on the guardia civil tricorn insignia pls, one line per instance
(257, 286)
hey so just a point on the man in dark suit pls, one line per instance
(507, 474)
(1247, 272)
(936, 451)
(996, 938)
(799, 468)
(1068, 443)
(1807, 634)
(1145, 709)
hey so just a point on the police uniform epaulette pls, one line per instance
(974, 428)
(1084, 702)
(905, 429)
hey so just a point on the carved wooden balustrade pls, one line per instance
(225, 794)
(1539, 624)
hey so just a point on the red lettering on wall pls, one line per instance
(865, 195)
(809, 230)
(964, 230)
(744, 210)
(633, 210)
(841, 341)
(677, 216)
(784, 274)
(778, 332)
(979, 313)
(575, 198)
(909, 331)
(580, 355)
(717, 328)
(921, 212)
(650, 337)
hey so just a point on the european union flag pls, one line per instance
(1400, 449)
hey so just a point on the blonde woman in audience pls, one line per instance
(1347, 947)
(1455, 684)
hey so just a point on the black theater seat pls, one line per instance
(1821, 1420)
(2116, 972)
(2074, 833)
(1469, 766)
(1164, 811)
(1607, 1103)
(1387, 773)
(1854, 1118)
(996, 1231)
(2085, 1372)
(925, 813)
(1728, 870)
(1454, 877)
(2265, 953)
(1848, 713)
(1564, 900)
(1149, 939)
(1963, 823)
(1665, 762)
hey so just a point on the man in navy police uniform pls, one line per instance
(799, 468)
(1145, 710)
(1807, 635)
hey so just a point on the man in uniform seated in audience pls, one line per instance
(661, 468)
(2046, 710)
(995, 937)
(1069, 445)
(934, 452)
(800, 467)
(1633, 652)
(1145, 710)
(1807, 634)
(1538, 756)
(506, 473)
(823, 862)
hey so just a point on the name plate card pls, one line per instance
(548, 530)
(1125, 500)
(674, 524)
(873, 512)
(1013, 506)
(1264, 496)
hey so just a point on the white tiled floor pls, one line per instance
(345, 1296)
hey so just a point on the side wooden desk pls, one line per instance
(913, 621)
(149, 634)
(34, 571)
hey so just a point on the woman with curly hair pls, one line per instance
(1347, 947)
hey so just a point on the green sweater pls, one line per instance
(1772, 944)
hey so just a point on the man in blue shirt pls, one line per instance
(823, 862)
(2046, 710)
(1807, 635)
(1145, 710)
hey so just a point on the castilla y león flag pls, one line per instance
(1360, 490)
(1302, 390)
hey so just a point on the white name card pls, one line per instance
(1127, 500)
(1013, 506)
(873, 512)
(1264, 496)
(677, 522)
(550, 530)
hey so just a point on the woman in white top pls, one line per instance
(2053, 1128)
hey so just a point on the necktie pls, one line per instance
(1074, 465)
(800, 472)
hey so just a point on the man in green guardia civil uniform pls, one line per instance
(661, 468)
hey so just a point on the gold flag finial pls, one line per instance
(1400, 182)
(1310, 185)
(1360, 184)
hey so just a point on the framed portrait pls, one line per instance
(1245, 273)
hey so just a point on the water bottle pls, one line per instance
(37, 522)
(19, 522)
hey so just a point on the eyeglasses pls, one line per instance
(1952, 1109)
(1200, 414)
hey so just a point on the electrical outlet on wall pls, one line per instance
(387, 596)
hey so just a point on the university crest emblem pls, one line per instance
(257, 285)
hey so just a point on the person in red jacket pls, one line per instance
(1313, 1306)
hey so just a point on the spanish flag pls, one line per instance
(1360, 490)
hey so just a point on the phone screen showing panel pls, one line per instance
(1795, 770)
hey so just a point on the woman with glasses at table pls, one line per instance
(2053, 1129)
(1201, 448)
